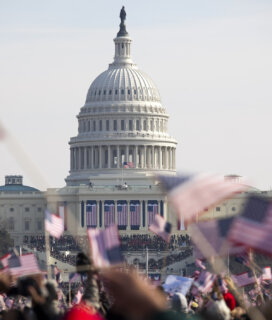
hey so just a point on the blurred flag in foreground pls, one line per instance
(243, 279)
(200, 264)
(53, 224)
(74, 277)
(191, 195)
(4, 259)
(204, 282)
(105, 246)
(253, 228)
(215, 235)
(161, 227)
(23, 265)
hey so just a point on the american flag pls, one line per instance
(134, 214)
(243, 279)
(152, 209)
(57, 274)
(53, 224)
(253, 228)
(109, 214)
(23, 265)
(215, 233)
(128, 165)
(4, 259)
(204, 282)
(74, 277)
(161, 227)
(191, 195)
(105, 246)
(91, 214)
(122, 214)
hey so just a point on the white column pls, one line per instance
(115, 212)
(146, 220)
(141, 214)
(79, 158)
(71, 159)
(84, 214)
(160, 157)
(128, 210)
(118, 156)
(144, 164)
(74, 158)
(153, 157)
(92, 157)
(85, 157)
(100, 157)
(170, 159)
(109, 157)
(136, 156)
(127, 154)
(103, 221)
(166, 158)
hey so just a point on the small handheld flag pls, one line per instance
(105, 246)
(53, 224)
(161, 227)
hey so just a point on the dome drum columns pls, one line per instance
(113, 156)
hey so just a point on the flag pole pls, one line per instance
(251, 259)
(69, 288)
(146, 267)
(47, 253)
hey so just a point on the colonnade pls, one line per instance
(143, 206)
(113, 156)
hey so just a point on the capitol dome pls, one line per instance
(122, 122)
(126, 83)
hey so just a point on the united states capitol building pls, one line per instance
(121, 147)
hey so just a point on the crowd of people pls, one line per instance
(139, 242)
(168, 260)
(135, 242)
(115, 293)
(64, 243)
(64, 249)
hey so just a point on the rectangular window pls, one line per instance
(26, 209)
(122, 124)
(138, 125)
(217, 209)
(27, 225)
(94, 125)
(39, 225)
(130, 125)
(100, 125)
(39, 209)
(144, 125)
(108, 125)
(11, 224)
(115, 125)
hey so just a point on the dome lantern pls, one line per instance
(122, 44)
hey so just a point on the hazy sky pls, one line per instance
(211, 61)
